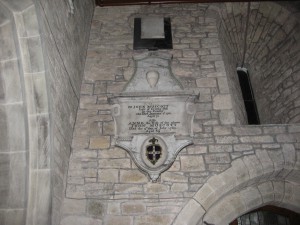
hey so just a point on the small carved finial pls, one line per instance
(152, 78)
(153, 140)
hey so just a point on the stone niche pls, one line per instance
(153, 115)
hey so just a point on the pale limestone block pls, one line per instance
(210, 42)
(108, 128)
(179, 187)
(191, 214)
(83, 173)
(293, 128)
(174, 177)
(192, 163)
(220, 148)
(251, 198)
(196, 149)
(128, 188)
(114, 163)
(120, 220)
(132, 176)
(175, 166)
(247, 130)
(227, 117)
(278, 190)
(223, 85)
(274, 129)
(154, 219)
(189, 53)
(73, 206)
(79, 154)
(79, 220)
(221, 130)
(206, 82)
(101, 142)
(257, 139)
(217, 158)
(133, 208)
(227, 139)
(266, 161)
(225, 211)
(242, 147)
(240, 171)
(86, 89)
(108, 175)
(254, 167)
(267, 191)
(289, 155)
(113, 208)
(112, 153)
(277, 157)
(156, 188)
(286, 138)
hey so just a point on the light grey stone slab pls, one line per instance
(152, 28)
(10, 88)
(17, 5)
(3, 129)
(26, 23)
(17, 179)
(32, 56)
(8, 50)
(4, 178)
(16, 127)
(12, 217)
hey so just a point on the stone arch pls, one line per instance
(24, 117)
(252, 173)
(267, 44)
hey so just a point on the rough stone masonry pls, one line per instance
(230, 161)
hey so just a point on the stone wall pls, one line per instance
(64, 27)
(265, 40)
(43, 50)
(13, 132)
(104, 186)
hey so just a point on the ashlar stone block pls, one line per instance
(101, 142)
(192, 163)
(222, 102)
(193, 211)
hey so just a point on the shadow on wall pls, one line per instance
(264, 38)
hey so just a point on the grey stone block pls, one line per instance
(4, 178)
(26, 23)
(3, 129)
(6, 34)
(32, 56)
(12, 217)
(17, 5)
(10, 88)
(16, 127)
(17, 180)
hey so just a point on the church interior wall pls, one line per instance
(58, 67)
(103, 181)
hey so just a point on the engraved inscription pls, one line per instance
(152, 118)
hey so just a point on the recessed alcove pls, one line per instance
(269, 51)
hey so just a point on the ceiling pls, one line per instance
(141, 2)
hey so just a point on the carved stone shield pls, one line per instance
(153, 151)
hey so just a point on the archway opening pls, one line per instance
(268, 215)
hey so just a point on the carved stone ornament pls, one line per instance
(153, 115)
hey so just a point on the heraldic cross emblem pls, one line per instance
(153, 151)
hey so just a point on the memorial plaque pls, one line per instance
(153, 115)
